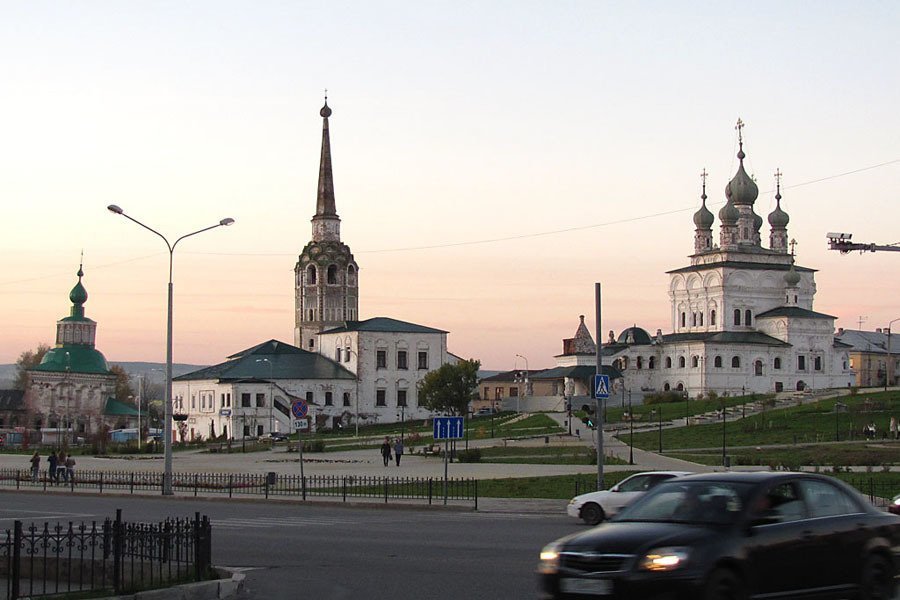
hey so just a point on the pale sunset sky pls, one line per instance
(492, 160)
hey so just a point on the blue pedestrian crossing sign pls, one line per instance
(601, 387)
(448, 428)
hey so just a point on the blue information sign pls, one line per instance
(448, 428)
(601, 387)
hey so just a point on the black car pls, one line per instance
(732, 536)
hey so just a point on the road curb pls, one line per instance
(216, 589)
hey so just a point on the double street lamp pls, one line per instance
(167, 424)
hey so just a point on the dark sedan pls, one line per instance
(732, 536)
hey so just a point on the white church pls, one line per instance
(742, 314)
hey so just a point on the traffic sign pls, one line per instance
(448, 428)
(601, 387)
(301, 424)
(299, 408)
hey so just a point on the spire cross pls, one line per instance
(793, 243)
(703, 175)
(739, 127)
(778, 180)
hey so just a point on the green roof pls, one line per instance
(794, 312)
(384, 325)
(271, 360)
(80, 359)
(114, 408)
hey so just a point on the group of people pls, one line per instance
(893, 430)
(60, 467)
(386, 450)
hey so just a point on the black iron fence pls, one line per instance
(345, 487)
(39, 560)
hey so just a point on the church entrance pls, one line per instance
(801, 385)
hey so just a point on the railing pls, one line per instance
(117, 556)
(346, 487)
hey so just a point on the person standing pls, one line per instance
(35, 465)
(398, 450)
(893, 428)
(386, 451)
(52, 462)
(70, 469)
(61, 466)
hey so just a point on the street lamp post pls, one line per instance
(631, 421)
(525, 379)
(68, 400)
(271, 397)
(167, 433)
(724, 457)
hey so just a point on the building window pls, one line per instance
(381, 359)
(681, 362)
(737, 316)
(735, 362)
(700, 318)
(328, 399)
(423, 360)
(259, 430)
(311, 275)
(260, 400)
(401, 360)
(817, 363)
(380, 396)
(331, 274)
(712, 317)
(193, 402)
(717, 362)
(747, 318)
(346, 398)
(513, 392)
(668, 362)
(667, 387)
(801, 363)
(312, 344)
(498, 393)
(758, 368)
(640, 362)
(651, 362)
(222, 401)
(695, 361)
(246, 431)
(337, 355)
(401, 397)
(683, 317)
(694, 319)
(777, 363)
(487, 392)
(347, 354)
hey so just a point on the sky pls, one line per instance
(492, 160)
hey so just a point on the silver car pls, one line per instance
(594, 507)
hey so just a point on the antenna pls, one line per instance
(862, 320)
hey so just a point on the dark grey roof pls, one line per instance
(272, 359)
(794, 312)
(725, 337)
(638, 334)
(384, 325)
(12, 400)
(582, 372)
(734, 264)
(873, 342)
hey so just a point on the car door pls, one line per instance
(779, 543)
(627, 491)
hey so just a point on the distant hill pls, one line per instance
(155, 372)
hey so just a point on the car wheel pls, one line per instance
(724, 584)
(592, 514)
(877, 581)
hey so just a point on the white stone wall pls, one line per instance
(78, 397)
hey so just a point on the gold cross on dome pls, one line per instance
(739, 127)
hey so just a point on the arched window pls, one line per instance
(651, 362)
(680, 387)
(712, 317)
(351, 275)
(640, 362)
(681, 362)
(668, 362)
(693, 319)
(777, 363)
(332, 274)
(683, 317)
(700, 318)
(737, 316)
(667, 387)
(747, 320)
(817, 363)
(758, 368)
(695, 361)
(311, 274)
(735, 362)
(718, 362)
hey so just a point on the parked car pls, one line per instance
(276, 436)
(721, 536)
(594, 507)
(894, 506)
(484, 412)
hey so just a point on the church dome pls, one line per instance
(703, 218)
(778, 219)
(78, 295)
(792, 277)
(757, 222)
(74, 358)
(729, 214)
(634, 335)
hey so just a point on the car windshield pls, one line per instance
(705, 502)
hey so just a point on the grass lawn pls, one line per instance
(559, 486)
(544, 455)
(851, 454)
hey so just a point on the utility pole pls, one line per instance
(841, 242)
(599, 410)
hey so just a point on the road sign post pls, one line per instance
(447, 428)
(300, 410)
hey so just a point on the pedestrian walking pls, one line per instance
(52, 462)
(61, 467)
(893, 428)
(398, 450)
(70, 469)
(35, 465)
(386, 451)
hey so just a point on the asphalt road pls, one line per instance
(338, 552)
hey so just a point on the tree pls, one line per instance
(123, 384)
(28, 360)
(450, 388)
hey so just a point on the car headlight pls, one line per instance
(665, 559)
(549, 559)
(896, 501)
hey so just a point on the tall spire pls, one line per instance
(325, 198)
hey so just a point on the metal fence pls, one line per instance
(346, 487)
(54, 559)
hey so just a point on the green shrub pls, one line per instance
(471, 455)
(664, 397)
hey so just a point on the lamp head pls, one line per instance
(115, 209)
(224, 222)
